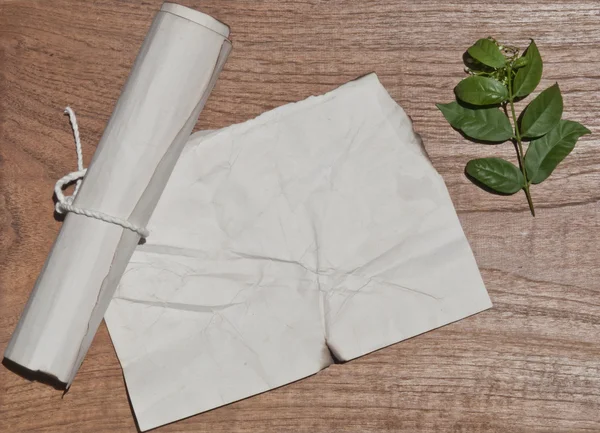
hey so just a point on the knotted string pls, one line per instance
(65, 203)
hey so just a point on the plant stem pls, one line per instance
(519, 148)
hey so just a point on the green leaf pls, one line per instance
(529, 76)
(453, 112)
(497, 174)
(478, 90)
(476, 65)
(487, 124)
(487, 52)
(520, 63)
(544, 154)
(543, 113)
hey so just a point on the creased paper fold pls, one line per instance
(318, 230)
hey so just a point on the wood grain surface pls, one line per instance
(531, 364)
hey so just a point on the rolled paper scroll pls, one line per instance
(174, 73)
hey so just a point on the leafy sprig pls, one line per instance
(484, 110)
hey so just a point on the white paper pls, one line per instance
(170, 81)
(319, 226)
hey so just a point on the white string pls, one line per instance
(65, 203)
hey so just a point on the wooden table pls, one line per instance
(531, 364)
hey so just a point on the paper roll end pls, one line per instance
(197, 17)
(34, 375)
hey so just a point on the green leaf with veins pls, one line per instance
(545, 153)
(487, 52)
(486, 124)
(529, 76)
(543, 113)
(497, 174)
(477, 90)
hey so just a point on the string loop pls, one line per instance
(64, 203)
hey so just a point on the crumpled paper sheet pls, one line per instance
(317, 230)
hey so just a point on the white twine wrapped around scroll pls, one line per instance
(65, 203)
